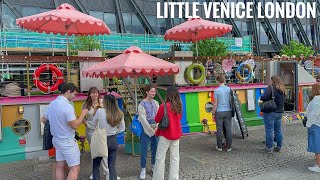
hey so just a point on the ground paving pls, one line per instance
(199, 160)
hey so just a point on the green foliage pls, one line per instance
(129, 137)
(296, 48)
(84, 43)
(210, 47)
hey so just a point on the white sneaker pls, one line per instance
(118, 178)
(143, 173)
(314, 168)
(229, 150)
(91, 176)
(219, 149)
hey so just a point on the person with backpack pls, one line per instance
(147, 111)
(110, 118)
(222, 113)
(170, 136)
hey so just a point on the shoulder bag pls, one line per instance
(164, 124)
(99, 146)
(270, 105)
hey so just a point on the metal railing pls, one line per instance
(115, 42)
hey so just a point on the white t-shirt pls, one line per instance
(103, 123)
(59, 113)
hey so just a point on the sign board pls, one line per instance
(43, 108)
(243, 127)
(251, 99)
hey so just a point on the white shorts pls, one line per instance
(67, 150)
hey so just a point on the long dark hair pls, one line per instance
(173, 98)
(88, 103)
(114, 114)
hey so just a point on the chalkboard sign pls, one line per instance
(243, 127)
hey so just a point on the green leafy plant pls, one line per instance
(129, 137)
(210, 47)
(296, 48)
(84, 43)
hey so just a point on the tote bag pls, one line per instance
(99, 146)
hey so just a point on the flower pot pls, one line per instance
(128, 148)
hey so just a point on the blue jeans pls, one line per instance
(145, 141)
(112, 155)
(273, 129)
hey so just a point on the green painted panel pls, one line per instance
(247, 114)
(192, 109)
(10, 149)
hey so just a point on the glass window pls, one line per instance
(263, 38)
(137, 27)
(127, 22)
(29, 10)
(21, 126)
(96, 14)
(110, 20)
(8, 17)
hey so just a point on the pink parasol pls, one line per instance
(196, 29)
(64, 20)
(132, 62)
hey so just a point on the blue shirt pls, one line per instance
(223, 95)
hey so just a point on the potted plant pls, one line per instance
(132, 143)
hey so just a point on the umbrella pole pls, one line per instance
(197, 53)
(135, 92)
(68, 64)
(28, 78)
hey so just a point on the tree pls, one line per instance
(84, 43)
(296, 48)
(210, 47)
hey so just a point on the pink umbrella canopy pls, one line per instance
(134, 63)
(196, 29)
(65, 20)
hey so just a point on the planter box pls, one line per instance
(128, 148)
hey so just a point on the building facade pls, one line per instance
(140, 17)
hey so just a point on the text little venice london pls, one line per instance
(236, 10)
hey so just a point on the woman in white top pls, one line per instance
(313, 125)
(92, 102)
(112, 119)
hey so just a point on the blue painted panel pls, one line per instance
(120, 104)
(258, 95)
(184, 112)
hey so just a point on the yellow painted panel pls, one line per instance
(242, 96)
(203, 100)
(9, 114)
(78, 107)
(82, 128)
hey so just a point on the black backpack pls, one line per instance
(47, 137)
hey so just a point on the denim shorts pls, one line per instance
(67, 149)
(314, 139)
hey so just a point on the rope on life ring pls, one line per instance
(238, 74)
(45, 87)
(189, 71)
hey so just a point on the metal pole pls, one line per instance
(68, 63)
(28, 78)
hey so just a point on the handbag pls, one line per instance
(47, 137)
(99, 146)
(232, 106)
(270, 105)
(136, 127)
(164, 124)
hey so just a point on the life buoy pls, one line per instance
(189, 70)
(238, 72)
(45, 87)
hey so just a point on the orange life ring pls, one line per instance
(45, 87)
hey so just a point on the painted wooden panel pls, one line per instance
(258, 95)
(184, 110)
(10, 149)
(242, 96)
(203, 100)
(9, 115)
(33, 137)
(193, 115)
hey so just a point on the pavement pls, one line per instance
(200, 160)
